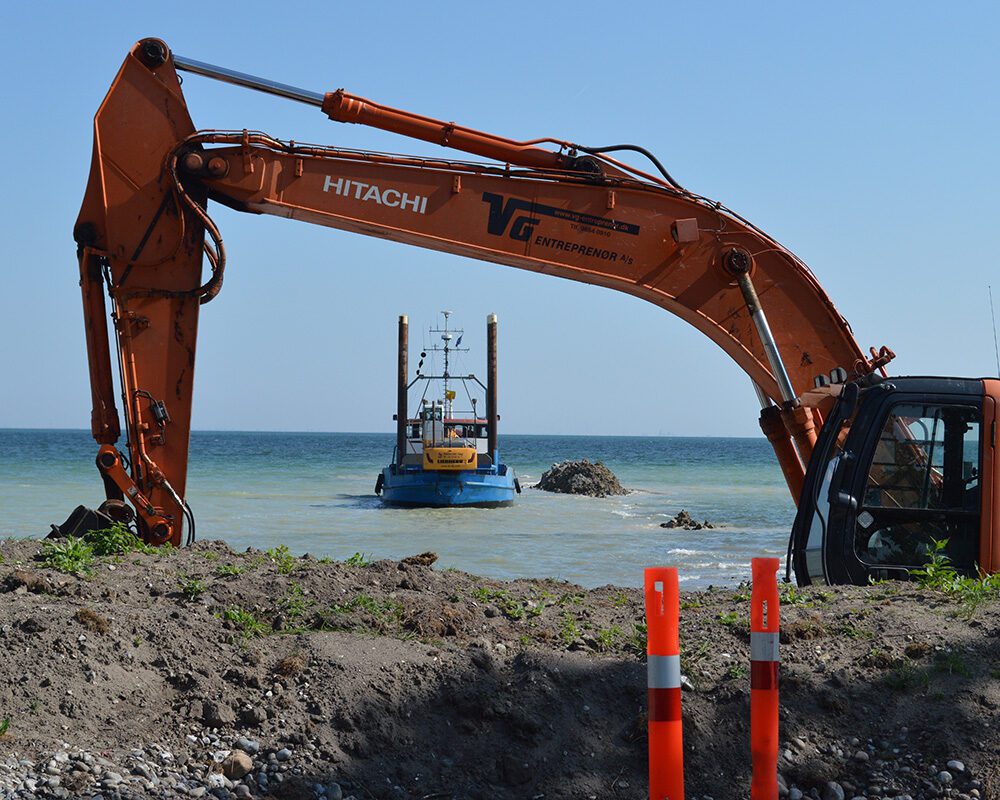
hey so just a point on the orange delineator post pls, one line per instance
(663, 675)
(764, 621)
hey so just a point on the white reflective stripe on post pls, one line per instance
(764, 647)
(663, 672)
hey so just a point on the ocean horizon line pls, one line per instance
(391, 433)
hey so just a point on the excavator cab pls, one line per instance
(900, 466)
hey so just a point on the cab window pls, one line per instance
(922, 485)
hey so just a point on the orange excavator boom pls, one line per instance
(145, 234)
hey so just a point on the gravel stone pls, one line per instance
(248, 745)
(236, 765)
(218, 715)
(833, 791)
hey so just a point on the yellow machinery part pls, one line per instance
(449, 458)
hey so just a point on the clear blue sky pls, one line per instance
(861, 135)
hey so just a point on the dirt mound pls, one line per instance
(686, 522)
(581, 477)
(204, 672)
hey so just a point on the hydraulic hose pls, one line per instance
(635, 148)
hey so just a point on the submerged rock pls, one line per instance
(581, 477)
(686, 522)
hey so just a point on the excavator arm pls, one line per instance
(145, 238)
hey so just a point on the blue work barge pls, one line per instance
(443, 458)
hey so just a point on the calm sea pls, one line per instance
(314, 493)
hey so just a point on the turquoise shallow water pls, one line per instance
(314, 493)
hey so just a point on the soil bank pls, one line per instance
(397, 680)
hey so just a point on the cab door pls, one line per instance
(989, 545)
(820, 510)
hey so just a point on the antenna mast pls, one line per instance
(447, 334)
(996, 349)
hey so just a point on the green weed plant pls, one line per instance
(282, 558)
(940, 575)
(72, 555)
(192, 588)
(245, 621)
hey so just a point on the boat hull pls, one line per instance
(438, 489)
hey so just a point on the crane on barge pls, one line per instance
(879, 466)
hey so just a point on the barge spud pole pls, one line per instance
(491, 384)
(401, 381)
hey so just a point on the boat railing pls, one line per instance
(450, 443)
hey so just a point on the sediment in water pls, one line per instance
(581, 477)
